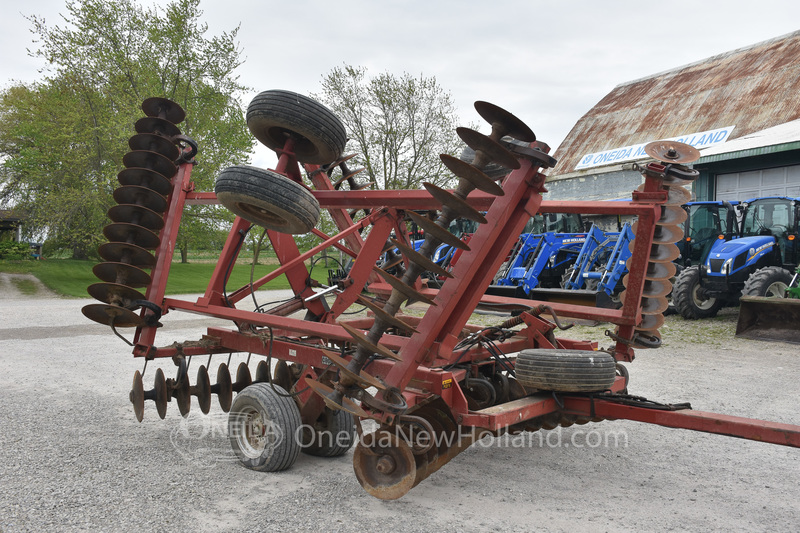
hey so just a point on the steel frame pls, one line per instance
(426, 362)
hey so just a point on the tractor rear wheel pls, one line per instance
(268, 199)
(332, 435)
(688, 297)
(771, 282)
(565, 370)
(318, 134)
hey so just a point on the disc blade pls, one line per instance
(421, 260)
(137, 195)
(144, 177)
(459, 206)
(137, 396)
(163, 108)
(672, 152)
(156, 125)
(409, 292)
(672, 215)
(363, 379)
(663, 234)
(660, 271)
(472, 174)
(330, 397)
(675, 195)
(491, 149)
(373, 348)
(114, 294)
(224, 387)
(651, 322)
(155, 143)
(434, 229)
(122, 273)
(121, 252)
(161, 396)
(504, 122)
(202, 390)
(150, 160)
(112, 315)
(131, 234)
(386, 317)
(136, 214)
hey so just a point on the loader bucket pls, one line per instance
(769, 319)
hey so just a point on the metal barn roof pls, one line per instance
(752, 88)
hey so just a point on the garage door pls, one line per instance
(782, 181)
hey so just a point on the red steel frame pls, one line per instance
(425, 355)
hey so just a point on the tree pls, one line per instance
(62, 139)
(398, 125)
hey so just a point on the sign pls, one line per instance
(700, 140)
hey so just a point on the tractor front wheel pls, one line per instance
(689, 298)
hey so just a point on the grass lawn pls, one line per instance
(70, 278)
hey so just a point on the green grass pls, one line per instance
(70, 278)
(25, 286)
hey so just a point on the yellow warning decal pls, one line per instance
(447, 383)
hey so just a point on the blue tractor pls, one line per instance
(706, 223)
(758, 263)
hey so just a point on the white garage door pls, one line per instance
(782, 181)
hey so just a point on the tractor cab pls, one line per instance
(706, 223)
(772, 223)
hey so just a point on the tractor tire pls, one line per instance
(319, 135)
(565, 370)
(771, 282)
(686, 298)
(333, 434)
(263, 425)
(268, 199)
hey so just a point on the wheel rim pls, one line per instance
(702, 303)
(267, 218)
(775, 290)
(252, 432)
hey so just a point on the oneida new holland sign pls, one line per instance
(703, 139)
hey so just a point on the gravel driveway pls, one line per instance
(73, 457)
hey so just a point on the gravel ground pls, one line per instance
(73, 457)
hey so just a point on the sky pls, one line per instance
(546, 62)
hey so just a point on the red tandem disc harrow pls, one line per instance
(433, 385)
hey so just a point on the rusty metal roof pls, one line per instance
(752, 88)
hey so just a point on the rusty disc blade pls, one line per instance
(663, 234)
(672, 215)
(331, 399)
(132, 234)
(363, 379)
(243, 377)
(504, 122)
(653, 333)
(202, 390)
(383, 315)
(675, 195)
(409, 292)
(136, 195)
(112, 315)
(421, 260)
(150, 160)
(156, 125)
(373, 348)
(651, 322)
(346, 177)
(459, 206)
(223, 387)
(122, 273)
(652, 288)
(432, 228)
(136, 214)
(114, 293)
(155, 143)
(182, 394)
(120, 252)
(672, 152)
(262, 373)
(137, 396)
(163, 108)
(160, 395)
(491, 149)
(663, 253)
(369, 460)
(472, 174)
(145, 177)
(283, 375)
(660, 271)
(653, 306)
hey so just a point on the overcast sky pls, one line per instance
(546, 62)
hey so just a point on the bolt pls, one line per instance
(385, 465)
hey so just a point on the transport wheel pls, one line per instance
(262, 428)
(771, 282)
(268, 199)
(273, 116)
(565, 370)
(688, 298)
(384, 465)
(334, 433)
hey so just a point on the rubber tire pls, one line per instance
(341, 425)
(319, 135)
(565, 370)
(760, 282)
(268, 199)
(684, 296)
(281, 411)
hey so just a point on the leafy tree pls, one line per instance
(398, 125)
(62, 138)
